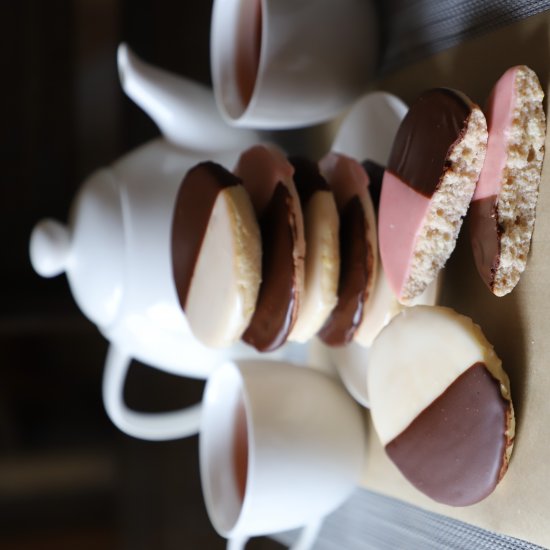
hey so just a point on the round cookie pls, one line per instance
(358, 249)
(502, 213)
(441, 405)
(216, 254)
(322, 261)
(268, 177)
(431, 175)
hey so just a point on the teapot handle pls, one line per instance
(149, 426)
(308, 535)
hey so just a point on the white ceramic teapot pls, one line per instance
(115, 249)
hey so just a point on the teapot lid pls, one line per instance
(90, 250)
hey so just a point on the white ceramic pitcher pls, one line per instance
(115, 249)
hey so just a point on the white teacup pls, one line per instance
(290, 63)
(280, 447)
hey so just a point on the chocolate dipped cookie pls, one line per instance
(502, 213)
(267, 176)
(428, 184)
(358, 249)
(441, 404)
(322, 260)
(216, 254)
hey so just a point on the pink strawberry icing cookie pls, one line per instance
(431, 175)
(322, 260)
(358, 249)
(502, 214)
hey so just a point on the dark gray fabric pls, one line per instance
(414, 29)
(369, 521)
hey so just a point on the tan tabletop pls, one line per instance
(518, 324)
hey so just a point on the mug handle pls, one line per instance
(305, 540)
(149, 426)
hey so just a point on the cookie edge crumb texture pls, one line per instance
(448, 206)
(517, 200)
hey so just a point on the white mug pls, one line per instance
(280, 447)
(290, 63)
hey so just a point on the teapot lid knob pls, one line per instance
(50, 246)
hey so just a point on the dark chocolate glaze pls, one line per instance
(435, 121)
(194, 203)
(376, 174)
(485, 234)
(273, 318)
(355, 271)
(307, 178)
(454, 450)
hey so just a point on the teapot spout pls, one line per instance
(185, 111)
